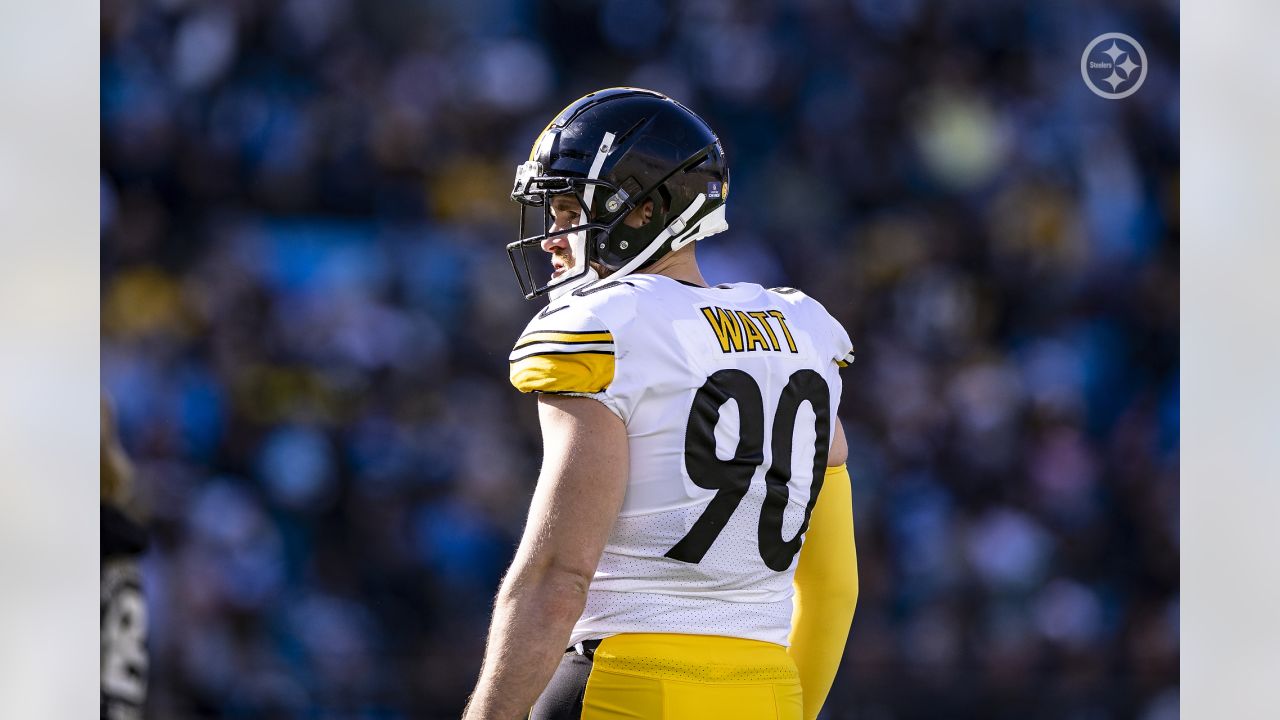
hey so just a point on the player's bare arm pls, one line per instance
(579, 492)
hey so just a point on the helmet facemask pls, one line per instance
(536, 193)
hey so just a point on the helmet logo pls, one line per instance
(624, 245)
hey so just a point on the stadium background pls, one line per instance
(306, 312)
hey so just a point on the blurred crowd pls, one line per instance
(307, 309)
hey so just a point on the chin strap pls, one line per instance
(713, 223)
(680, 229)
(676, 227)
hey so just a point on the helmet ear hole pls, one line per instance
(645, 210)
(665, 196)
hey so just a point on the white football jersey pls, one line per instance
(729, 395)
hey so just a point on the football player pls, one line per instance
(689, 551)
(124, 661)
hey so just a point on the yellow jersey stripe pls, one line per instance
(582, 372)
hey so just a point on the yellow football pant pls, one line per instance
(693, 677)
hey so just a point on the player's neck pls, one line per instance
(680, 265)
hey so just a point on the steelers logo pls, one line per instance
(1114, 66)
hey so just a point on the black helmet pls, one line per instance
(614, 149)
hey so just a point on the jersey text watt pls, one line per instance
(738, 331)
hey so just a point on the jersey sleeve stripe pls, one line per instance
(537, 341)
(846, 360)
(555, 349)
(563, 372)
(565, 336)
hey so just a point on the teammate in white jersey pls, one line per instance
(690, 540)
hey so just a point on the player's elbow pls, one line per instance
(554, 578)
(572, 578)
(556, 595)
(566, 569)
(844, 583)
(836, 584)
(842, 591)
(840, 600)
(846, 593)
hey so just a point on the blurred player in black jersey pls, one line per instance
(124, 610)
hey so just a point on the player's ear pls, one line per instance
(641, 215)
